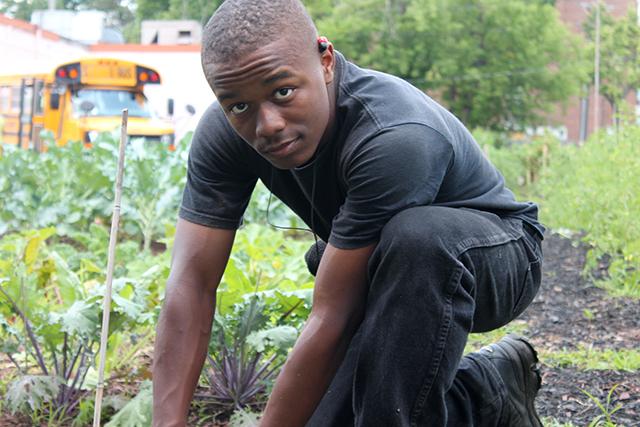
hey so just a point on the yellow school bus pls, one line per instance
(77, 101)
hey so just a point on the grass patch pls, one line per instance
(476, 341)
(622, 286)
(593, 188)
(587, 358)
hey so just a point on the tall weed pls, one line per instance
(594, 188)
(590, 189)
(521, 161)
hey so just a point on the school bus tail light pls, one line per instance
(147, 75)
(68, 73)
(169, 140)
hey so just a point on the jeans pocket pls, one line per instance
(530, 287)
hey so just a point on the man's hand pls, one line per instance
(200, 255)
(338, 307)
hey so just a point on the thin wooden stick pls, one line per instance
(106, 308)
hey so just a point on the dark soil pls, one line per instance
(569, 313)
(561, 398)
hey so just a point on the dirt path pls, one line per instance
(570, 313)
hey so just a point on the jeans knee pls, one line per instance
(415, 230)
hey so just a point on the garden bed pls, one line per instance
(573, 325)
(572, 316)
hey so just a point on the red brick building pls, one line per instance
(574, 13)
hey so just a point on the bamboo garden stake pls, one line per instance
(106, 308)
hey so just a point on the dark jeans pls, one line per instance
(436, 275)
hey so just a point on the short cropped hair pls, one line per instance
(240, 26)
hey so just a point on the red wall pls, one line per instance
(573, 13)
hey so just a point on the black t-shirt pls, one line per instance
(393, 148)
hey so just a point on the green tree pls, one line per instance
(119, 14)
(21, 9)
(199, 10)
(151, 9)
(319, 9)
(508, 63)
(619, 55)
(495, 63)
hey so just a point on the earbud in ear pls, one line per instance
(323, 43)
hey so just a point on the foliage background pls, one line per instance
(498, 64)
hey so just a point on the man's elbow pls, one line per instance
(186, 306)
(336, 325)
(187, 286)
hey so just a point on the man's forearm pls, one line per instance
(308, 372)
(338, 309)
(180, 350)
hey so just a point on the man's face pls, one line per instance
(278, 100)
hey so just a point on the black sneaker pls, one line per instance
(517, 363)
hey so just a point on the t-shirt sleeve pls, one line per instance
(398, 168)
(219, 184)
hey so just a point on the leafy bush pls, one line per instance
(265, 262)
(594, 188)
(72, 187)
(521, 161)
(61, 187)
(50, 319)
(590, 189)
(263, 301)
(51, 279)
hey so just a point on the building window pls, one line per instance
(15, 99)
(4, 98)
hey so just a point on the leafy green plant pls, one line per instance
(242, 418)
(588, 358)
(263, 260)
(153, 185)
(521, 160)
(51, 278)
(593, 188)
(31, 392)
(64, 335)
(606, 407)
(263, 300)
(72, 187)
(239, 375)
(137, 412)
(61, 187)
(49, 322)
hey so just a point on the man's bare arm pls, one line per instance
(338, 307)
(200, 255)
